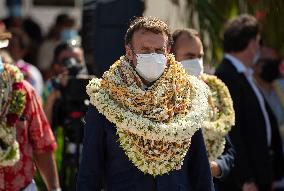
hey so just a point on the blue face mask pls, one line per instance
(1, 65)
(68, 34)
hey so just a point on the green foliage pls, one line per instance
(209, 17)
(11, 154)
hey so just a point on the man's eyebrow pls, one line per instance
(190, 54)
(160, 48)
(145, 48)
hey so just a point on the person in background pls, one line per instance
(62, 53)
(33, 133)
(18, 48)
(255, 135)
(188, 50)
(269, 69)
(63, 28)
(16, 19)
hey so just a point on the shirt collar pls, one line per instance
(236, 63)
(241, 68)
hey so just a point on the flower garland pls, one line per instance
(12, 104)
(221, 116)
(154, 126)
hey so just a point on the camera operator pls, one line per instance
(68, 60)
(65, 105)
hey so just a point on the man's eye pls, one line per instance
(160, 52)
(191, 57)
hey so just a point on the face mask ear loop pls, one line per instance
(132, 49)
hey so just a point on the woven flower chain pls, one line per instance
(154, 126)
(12, 104)
(221, 116)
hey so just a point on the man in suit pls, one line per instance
(255, 135)
(106, 161)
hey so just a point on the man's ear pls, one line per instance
(129, 52)
(169, 49)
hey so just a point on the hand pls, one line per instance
(52, 97)
(249, 186)
(63, 79)
(49, 103)
(215, 169)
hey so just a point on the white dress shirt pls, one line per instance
(248, 72)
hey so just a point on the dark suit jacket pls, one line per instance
(104, 160)
(254, 159)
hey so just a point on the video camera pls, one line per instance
(72, 65)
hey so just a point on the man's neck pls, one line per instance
(243, 58)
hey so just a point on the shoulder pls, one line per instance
(92, 111)
(227, 73)
(225, 66)
(197, 137)
(33, 101)
(94, 117)
(30, 91)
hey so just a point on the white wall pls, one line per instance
(174, 16)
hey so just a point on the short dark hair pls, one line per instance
(239, 32)
(23, 38)
(63, 19)
(151, 24)
(191, 33)
(62, 47)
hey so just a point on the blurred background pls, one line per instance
(98, 28)
(208, 16)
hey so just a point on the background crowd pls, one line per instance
(48, 60)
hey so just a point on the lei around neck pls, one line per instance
(154, 126)
(12, 104)
(221, 116)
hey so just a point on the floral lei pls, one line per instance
(221, 116)
(154, 126)
(12, 104)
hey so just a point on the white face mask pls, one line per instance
(193, 66)
(151, 66)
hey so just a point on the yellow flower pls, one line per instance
(221, 116)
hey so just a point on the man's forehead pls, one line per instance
(146, 38)
(186, 40)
